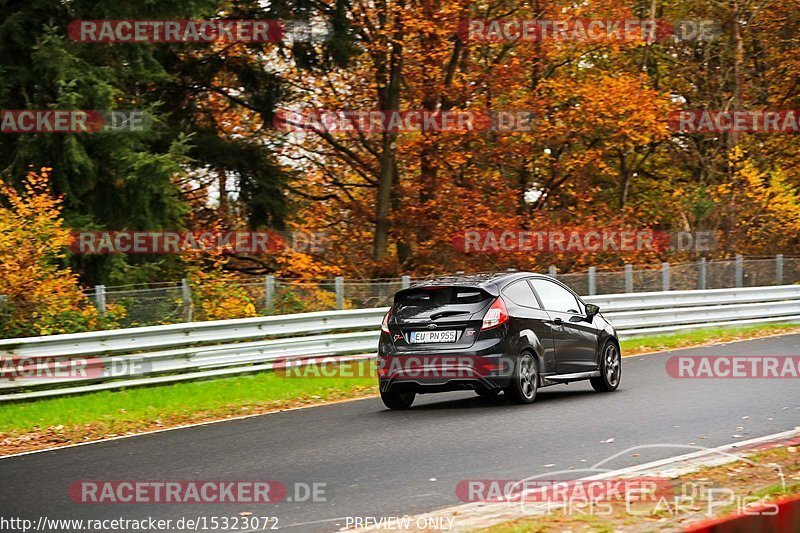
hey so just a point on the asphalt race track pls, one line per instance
(380, 463)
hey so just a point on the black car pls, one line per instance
(511, 332)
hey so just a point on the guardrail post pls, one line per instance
(629, 278)
(552, 271)
(703, 275)
(269, 292)
(339, 288)
(100, 298)
(779, 269)
(186, 294)
(405, 282)
(592, 281)
(665, 276)
(739, 265)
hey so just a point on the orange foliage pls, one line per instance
(41, 295)
(586, 120)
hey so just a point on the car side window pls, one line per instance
(555, 297)
(520, 293)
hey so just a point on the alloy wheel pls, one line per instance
(612, 364)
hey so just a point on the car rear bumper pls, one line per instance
(423, 387)
(440, 373)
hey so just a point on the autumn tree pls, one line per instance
(39, 295)
(592, 131)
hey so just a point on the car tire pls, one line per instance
(525, 379)
(487, 393)
(398, 400)
(610, 369)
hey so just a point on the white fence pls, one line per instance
(177, 352)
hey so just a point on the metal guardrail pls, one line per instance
(178, 352)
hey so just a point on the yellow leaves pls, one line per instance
(763, 206)
(42, 296)
(300, 265)
(620, 108)
(220, 301)
(215, 293)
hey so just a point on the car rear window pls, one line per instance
(425, 299)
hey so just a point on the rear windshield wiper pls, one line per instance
(440, 314)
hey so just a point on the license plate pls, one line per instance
(433, 336)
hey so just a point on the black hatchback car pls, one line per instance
(510, 332)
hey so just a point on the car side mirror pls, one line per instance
(591, 310)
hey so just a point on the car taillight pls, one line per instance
(496, 315)
(385, 323)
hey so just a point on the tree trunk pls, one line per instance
(389, 98)
(224, 211)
